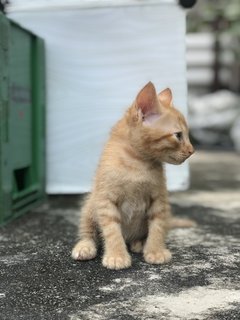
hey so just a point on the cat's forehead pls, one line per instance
(170, 121)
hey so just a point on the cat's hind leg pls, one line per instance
(86, 247)
(84, 250)
(136, 246)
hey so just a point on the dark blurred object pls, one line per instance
(3, 4)
(187, 4)
(219, 18)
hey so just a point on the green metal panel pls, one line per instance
(20, 97)
(38, 100)
(22, 125)
(5, 167)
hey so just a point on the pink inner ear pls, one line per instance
(145, 106)
(147, 100)
(150, 118)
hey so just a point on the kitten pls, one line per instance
(129, 200)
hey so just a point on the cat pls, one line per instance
(128, 205)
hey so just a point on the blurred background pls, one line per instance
(213, 73)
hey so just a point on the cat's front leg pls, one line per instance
(115, 255)
(154, 250)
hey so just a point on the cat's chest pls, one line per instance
(135, 200)
(134, 207)
(134, 203)
(137, 196)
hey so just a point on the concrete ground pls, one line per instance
(39, 280)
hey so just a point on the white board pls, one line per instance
(98, 58)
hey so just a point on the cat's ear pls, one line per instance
(147, 101)
(165, 97)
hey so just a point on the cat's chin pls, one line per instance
(174, 161)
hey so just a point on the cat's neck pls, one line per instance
(121, 131)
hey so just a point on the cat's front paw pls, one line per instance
(84, 250)
(157, 257)
(116, 262)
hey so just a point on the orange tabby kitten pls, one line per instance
(129, 201)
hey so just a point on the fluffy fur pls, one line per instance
(129, 201)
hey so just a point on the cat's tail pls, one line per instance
(181, 223)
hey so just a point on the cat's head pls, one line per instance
(158, 130)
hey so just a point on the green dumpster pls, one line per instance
(22, 127)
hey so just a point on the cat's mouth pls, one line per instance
(174, 160)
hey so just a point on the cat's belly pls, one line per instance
(134, 218)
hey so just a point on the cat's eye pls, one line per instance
(178, 135)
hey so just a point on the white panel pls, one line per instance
(28, 5)
(97, 60)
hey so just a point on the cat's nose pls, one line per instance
(191, 151)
